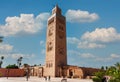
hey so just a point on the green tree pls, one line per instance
(12, 66)
(117, 65)
(25, 65)
(1, 39)
(99, 75)
(113, 72)
(102, 68)
(19, 60)
(106, 67)
(1, 61)
(2, 57)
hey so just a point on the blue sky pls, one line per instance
(93, 33)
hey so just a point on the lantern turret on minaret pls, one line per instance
(56, 10)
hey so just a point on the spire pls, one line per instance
(56, 10)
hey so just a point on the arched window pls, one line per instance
(49, 46)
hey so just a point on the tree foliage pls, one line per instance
(12, 66)
(25, 65)
(1, 39)
(113, 72)
(19, 61)
(1, 60)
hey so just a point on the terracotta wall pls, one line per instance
(12, 72)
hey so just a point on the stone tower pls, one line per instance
(56, 51)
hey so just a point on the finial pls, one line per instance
(57, 5)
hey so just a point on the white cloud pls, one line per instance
(42, 43)
(113, 56)
(43, 51)
(84, 44)
(87, 55)
(96, 38)
(73, 52)
(17, 55)
(7, 50)
(108, 58)
(24, 24)
(89, 45)
(98, 58)
(5, 47)
(5, 55)
(83, 55)
(72, 40)
(103, 59)
(102, 35)
(80, 16)
(93, 57)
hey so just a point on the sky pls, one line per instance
(93, 31)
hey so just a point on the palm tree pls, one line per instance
(1, 39)
(2, 57)
(106, 67)
(117, 65)
(1, 60)
(19, 61)
(102, 68)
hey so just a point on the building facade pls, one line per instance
(56, 55)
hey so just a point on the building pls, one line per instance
(56, 43)
(56, 51)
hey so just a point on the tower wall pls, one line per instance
(56, 51)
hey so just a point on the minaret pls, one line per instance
(56, 50)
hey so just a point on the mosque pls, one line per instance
(56, 51)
